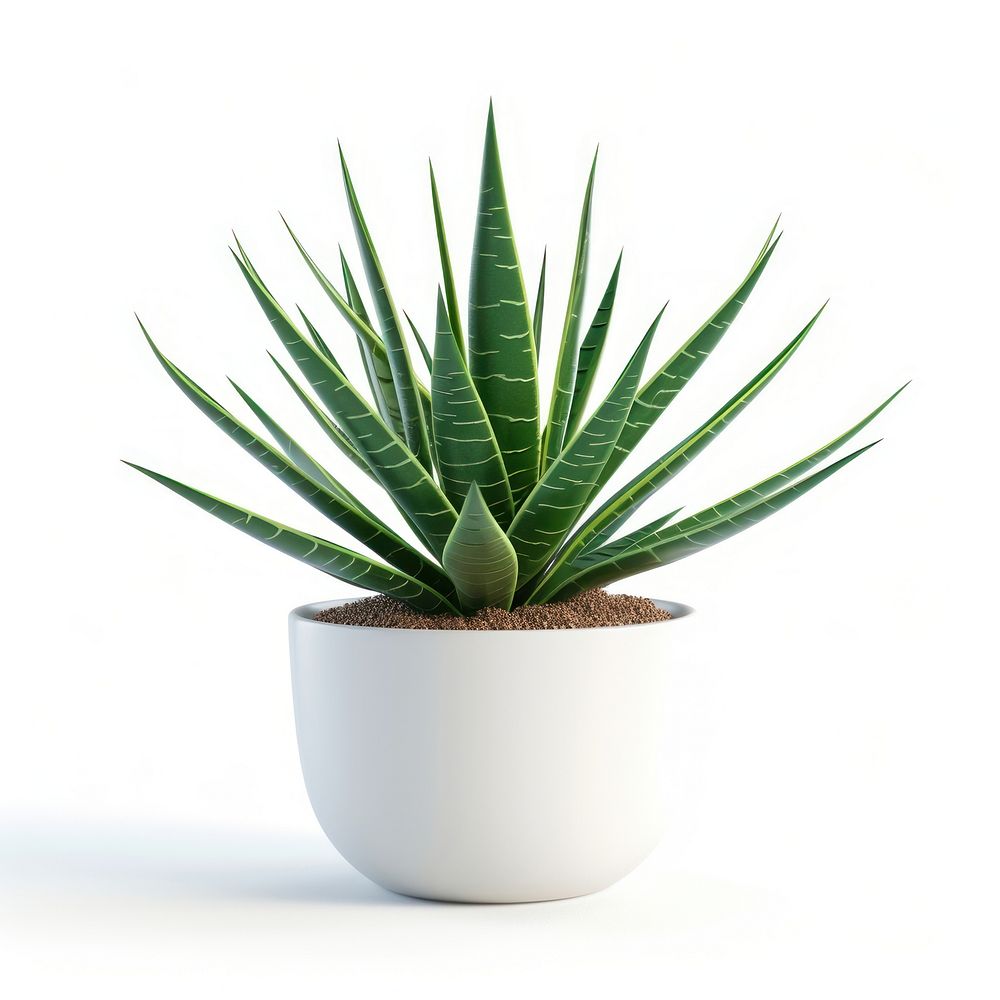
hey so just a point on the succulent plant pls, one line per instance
(497, 495)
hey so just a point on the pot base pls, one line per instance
(492, 902)
(543, 875)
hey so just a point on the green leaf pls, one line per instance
(246, 260)
(447, 274)
(330, 499)
(617, 509)
(765, 488)
(334, 560)
(320, 343)
(332, 431)
(425, 405)
(501, 344)
(478, 557)
(424, 352)
(466, 448)
(425, 402)
(297, 455)
(536, 317)
(390, 546)
(338, 437)
(663, 386)
(384, 394)
(414, 429)
(405, 479)
(590, 556)
(354, 298)
(563, 492)
(565, 377)
(342, 510)
(371, 346)
(690, 536)
(590, 352)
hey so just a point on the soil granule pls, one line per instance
(591, 609)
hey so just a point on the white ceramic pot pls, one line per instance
(485, 766)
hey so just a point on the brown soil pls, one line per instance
(592, 609)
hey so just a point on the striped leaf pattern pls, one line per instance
(591, 556)
(386, 407)
(751, 496)
(566, 363)
(372, 349)
(664, 385)
(332, 559)
(384, 540)
(332, 431)
(501, 343)
(591, 350)
(296, 454)
(337, 436)
(353, 293)
(692, 535)
(617, 509)
(414, 428)
(479, 558)
(500, 501)
(447, 273)
(405, 479)
(332, 502)
(467, 450)
(553, 507)
(321, 344)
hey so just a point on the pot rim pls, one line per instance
(305, 613)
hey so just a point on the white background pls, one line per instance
(834, 824)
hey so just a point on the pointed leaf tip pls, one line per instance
(501, 351)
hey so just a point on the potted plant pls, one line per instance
(487, 728)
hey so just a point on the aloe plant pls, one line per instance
(499, 501)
